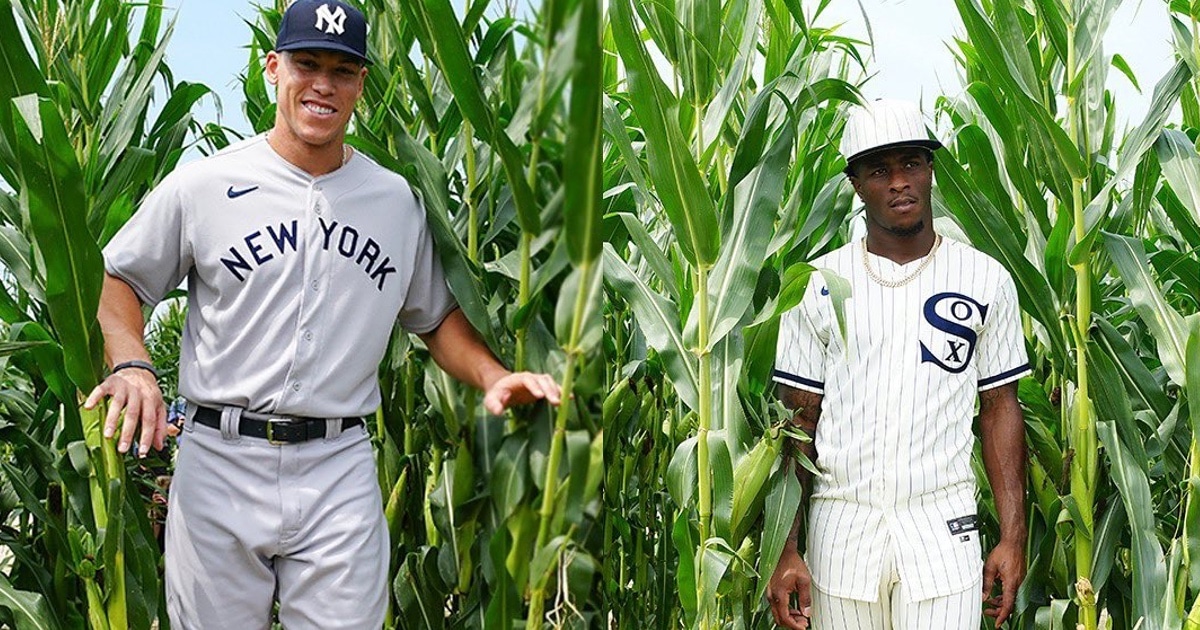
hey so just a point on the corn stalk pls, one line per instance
(1037, 191)
(80, 146)
(726, 192)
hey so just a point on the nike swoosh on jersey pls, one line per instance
(234, 194)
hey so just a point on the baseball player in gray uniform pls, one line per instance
(932, 326)
(299, 255)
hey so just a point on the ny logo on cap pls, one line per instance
(334, 21)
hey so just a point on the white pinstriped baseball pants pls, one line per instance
(892, 610)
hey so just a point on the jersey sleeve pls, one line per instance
(800, 352)
(428, 300)
(151, 252)
(1002, 357)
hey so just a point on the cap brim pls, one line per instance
(321, 44)
(932, 145)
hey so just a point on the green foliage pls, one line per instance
(629, 202)
(1108, 325)
(719, 191)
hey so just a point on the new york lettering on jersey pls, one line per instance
(261, 246)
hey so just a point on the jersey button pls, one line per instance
(315, 286)
(308, 335)
(296, 387)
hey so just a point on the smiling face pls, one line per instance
(895, 187)
(316, 91)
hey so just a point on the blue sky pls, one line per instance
(209, 46)
(911, 58)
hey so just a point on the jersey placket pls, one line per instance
(880, 312)
(909, 421)
(901, 320)
(315, 286)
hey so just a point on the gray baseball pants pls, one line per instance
(250, 522)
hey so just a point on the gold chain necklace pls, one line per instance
(892, 284)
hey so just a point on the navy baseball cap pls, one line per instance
(323, 25)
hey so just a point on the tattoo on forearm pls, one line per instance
(989, 398)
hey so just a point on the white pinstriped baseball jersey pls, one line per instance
(294, 281)
(894, 438)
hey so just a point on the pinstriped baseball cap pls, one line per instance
(885, 124)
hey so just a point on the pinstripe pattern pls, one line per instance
(883, 123)
(894, 608)
(894, 440)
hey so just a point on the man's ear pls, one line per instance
(271, 66)
(362, 81)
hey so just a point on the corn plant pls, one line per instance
(1044, 184)
(79, 148)
(722, 179)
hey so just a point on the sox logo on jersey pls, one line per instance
(956, 317)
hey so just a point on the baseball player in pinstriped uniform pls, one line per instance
(931, 326)
(299, 255)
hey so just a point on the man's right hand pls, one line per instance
(791, 576)
(136, 392)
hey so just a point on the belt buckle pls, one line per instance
(271, 432)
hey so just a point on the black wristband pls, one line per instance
(145, 365)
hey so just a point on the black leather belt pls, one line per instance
(275, 431)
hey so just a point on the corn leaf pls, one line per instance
(1181, 167)
(656, 259)
(674, 172)
(1167, 326)
(779, 510)
(1149, 565)
(419, 590)
(510, 474)
(1191, 519)
(1136, 377)
(52, 188)
(685, 574)
(753, 203)
(19, 75)
(435, 18)
(657, 318)
(1142, 138)
(581, 162)
(30, 610)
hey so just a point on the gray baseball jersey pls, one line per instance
(894, 440)
(294, 281)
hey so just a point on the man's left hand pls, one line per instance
(521, 388)
(1006, 564)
